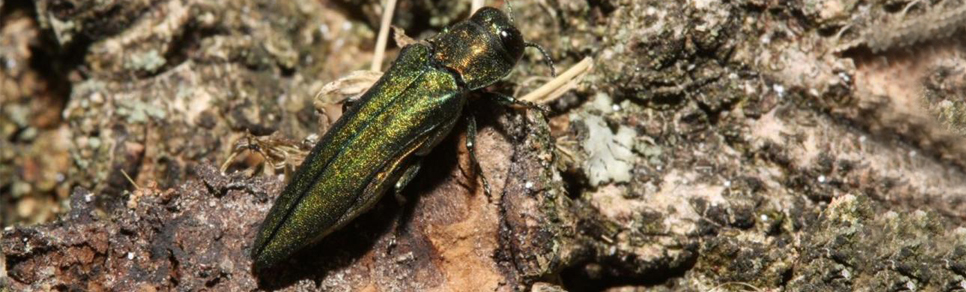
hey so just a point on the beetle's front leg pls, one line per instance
(405, 179)
(471, 148)
(510, 101)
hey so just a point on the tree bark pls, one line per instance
(717, 145)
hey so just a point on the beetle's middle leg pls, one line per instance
(405, 179)
(471, 148)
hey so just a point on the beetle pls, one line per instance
(380, 140)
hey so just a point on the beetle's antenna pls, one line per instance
(546, 57)
(509, 10)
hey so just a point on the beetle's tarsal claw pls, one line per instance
(546, 57)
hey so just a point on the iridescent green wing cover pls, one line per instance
(347, 171)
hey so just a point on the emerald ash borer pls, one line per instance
(380, 141)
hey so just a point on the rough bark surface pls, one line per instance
(812, 145)
(197, 236)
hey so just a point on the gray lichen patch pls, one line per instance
(137, 112)
(609, 156)
(149, 61)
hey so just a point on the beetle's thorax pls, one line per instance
(481, 50)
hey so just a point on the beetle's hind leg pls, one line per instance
(405, 179)
(471, 148)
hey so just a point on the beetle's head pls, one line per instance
(499, 26)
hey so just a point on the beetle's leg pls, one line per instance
(507, 100)
(224, 166)
(405, 179)
(471, 148)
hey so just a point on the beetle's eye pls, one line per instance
(512, 41)
(507, 36)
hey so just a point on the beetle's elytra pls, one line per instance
(379, 142)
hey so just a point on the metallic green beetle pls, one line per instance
(379, 141)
